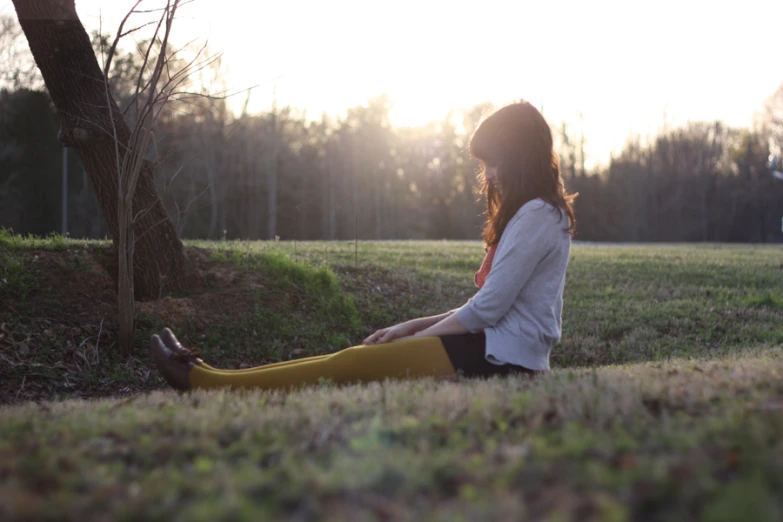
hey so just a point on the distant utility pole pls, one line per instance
(271, 170)
(65, 191)
(773, 168)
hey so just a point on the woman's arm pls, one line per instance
(449, 326)
(406, 329)
(427, 322)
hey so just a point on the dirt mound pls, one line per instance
(172, 310)
(63, 323)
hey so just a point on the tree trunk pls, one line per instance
(76, 83)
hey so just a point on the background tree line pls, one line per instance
(282, 174)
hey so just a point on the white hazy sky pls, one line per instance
(621, 64)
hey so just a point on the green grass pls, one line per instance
(11, 241)
(666, 402)
(280, 317)
(623, 303)
(16, 280)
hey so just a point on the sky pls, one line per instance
(609, 68)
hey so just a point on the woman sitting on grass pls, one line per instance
(508, 327)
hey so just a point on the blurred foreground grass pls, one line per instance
(681, 440)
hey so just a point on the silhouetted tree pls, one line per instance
(93, 126)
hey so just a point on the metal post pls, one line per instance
(65, 191)
(773, 166)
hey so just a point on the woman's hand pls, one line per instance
(396, 332)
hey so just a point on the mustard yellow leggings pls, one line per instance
(421, 357)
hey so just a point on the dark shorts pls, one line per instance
(467, 353)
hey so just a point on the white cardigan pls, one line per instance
(521, 303)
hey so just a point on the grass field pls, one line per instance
(665, 403)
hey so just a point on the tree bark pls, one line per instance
(76, 84)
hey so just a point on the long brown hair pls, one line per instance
(518, 141)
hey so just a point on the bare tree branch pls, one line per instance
(113, 47)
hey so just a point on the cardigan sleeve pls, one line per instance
(527, 239)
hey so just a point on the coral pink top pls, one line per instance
(486, 266)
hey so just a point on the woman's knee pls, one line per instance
(347, 353)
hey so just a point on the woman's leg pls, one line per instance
(270, 365)
(421, 357)
(175, 346)
(427, 356)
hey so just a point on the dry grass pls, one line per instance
(660, 441)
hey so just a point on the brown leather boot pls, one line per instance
(172, 366)
(173, 344)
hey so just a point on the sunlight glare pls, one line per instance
(627, 68)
